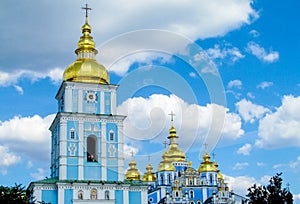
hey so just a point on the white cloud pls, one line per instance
(40, 174)
(240, 166)
(148, 120)
(245, 150)
(235, 83)
(296, 197)
(27, 136)
(265, 84)
(249, 111)
(250, 95)
(7, 78)
(228, 53)
(282, 127)
(7, 158)
(193, 19)
(254, 33)
(19, 89)
(260, 164)
(295, 164)
(240, 184)
(261, 53)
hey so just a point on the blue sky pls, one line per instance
(228, 69)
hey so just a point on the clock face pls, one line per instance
(91, 97)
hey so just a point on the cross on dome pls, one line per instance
(86, 8)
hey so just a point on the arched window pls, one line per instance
(111, 136)
(191, 193)
(80, 195)
(176, 194)
(72, 134)
(106, 195)
(92, 149)
(210, 178)
(162, 179)
(169, 179)
(94, 194)
(198, 202)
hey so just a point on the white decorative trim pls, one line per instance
(80, 101)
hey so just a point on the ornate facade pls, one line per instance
(87, 161)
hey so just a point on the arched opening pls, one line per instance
(92, 149)
(93, 194)
(106, 195)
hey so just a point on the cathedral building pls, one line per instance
(87, 149)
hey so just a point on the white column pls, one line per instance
(80, 101)
(144, 197)
(113, 102)
(37, 193)
(80, 150)
(63, 151)
(102, 102)
(204, 193)
(61, 195)
(103, 150)
(68, 99)
(125, 197)
(120, 153)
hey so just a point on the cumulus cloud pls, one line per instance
(245, 150)
(27, 136)
(7, 158)
(254, 33)
(281, 128)
(235, 84)
(12, 78)
(240, 184)
(148, 120)
(261, 53)
(194, 19)
(264, 84)
(249, 111)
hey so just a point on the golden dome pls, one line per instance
(207, 165)
(86, 68)
(172, 154)
(149, 176)
(132, 173)
(220, 176)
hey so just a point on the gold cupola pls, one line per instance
(207, 165)
(132, 173)
(220, 176)
(86, 69)
(172, 154)
(149, 176)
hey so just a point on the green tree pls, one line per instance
(270, 194)
(14, 195)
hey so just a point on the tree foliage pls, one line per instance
(270, 194)
(14, 195)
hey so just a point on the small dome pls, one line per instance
(172, 154)
(207, 165)
(149, 176)
(132, 173)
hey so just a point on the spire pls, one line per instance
(173, 153)
(86, 68)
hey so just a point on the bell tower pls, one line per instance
(87, 140)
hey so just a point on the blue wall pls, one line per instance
(49, 196)
(68, 196)
(118, 196)
(135, 197)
